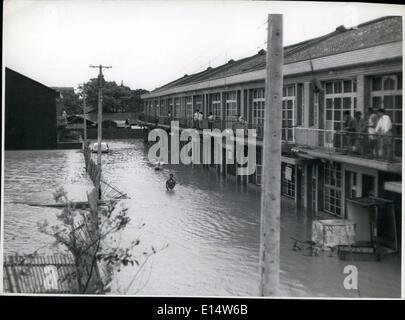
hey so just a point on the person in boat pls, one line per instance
(170, 183)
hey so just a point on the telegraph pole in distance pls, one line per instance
(84, 116)
(100, 110)
(270, 200)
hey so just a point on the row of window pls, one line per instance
(340, 96)
(378, 83)
(332, 186)
(386, 83)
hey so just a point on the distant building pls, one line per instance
(62, 92)
(30, 113)
(110, 119)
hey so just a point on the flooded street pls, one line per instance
(211, 226)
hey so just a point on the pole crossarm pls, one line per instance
(100, 67)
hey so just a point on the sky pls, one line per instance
(150, 43)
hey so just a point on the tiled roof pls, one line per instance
(369, 34)
(23, 274)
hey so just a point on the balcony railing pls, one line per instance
(205, 124)
(385, 147)
(369, 146)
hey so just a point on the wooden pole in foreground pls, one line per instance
(270, 201)
(100, 118)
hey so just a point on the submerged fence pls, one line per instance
(92, 168)
(106, 189)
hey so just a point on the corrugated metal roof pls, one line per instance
(28, 274)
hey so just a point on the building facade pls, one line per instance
(322, 165)
(30, 113)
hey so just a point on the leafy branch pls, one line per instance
(84, 233)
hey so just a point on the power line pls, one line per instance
(229, 42)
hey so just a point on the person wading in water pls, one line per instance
(170, 183)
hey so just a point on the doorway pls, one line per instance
(368, 186)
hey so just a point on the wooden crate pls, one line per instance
(333, 232)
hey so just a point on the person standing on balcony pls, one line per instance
(384, 132)
(210, 120)
(195, 118)
(243, 123)
(361, 129)
(372, 138)
(200, 119)
(349, 128)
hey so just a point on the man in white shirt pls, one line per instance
(384, 124)
(195, 118)
(200, 120)
(383, 130)
(371, 125)
(210, 121)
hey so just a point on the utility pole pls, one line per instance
(100, 110)
(100, 120)
(270, 201)
(84, 117)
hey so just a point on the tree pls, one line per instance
(116, 98)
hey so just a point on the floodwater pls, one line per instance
(210, 224)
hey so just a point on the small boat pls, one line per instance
(104, 147)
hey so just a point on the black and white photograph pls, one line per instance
(202, 149)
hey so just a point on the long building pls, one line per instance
(345, 70)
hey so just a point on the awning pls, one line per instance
(297, 161)
(369, 201)
(393, 186)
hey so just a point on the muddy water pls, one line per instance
(210, 224)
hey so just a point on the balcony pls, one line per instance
(379, 152)
(382, 152)
(204, 124)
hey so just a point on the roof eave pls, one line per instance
(369, 55)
